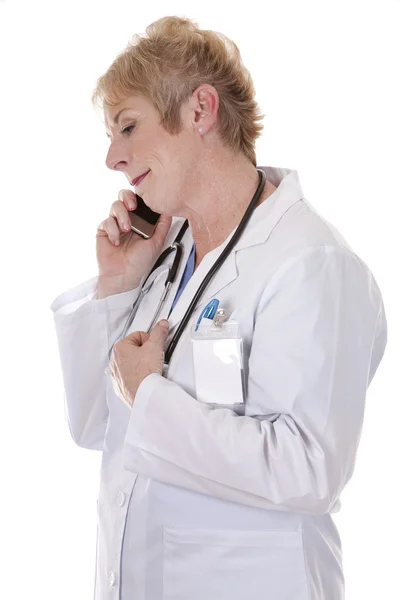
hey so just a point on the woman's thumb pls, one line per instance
(159, 333)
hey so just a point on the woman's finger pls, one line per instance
(110, 227)
(138, 338)
(128, 198)
(120, 213)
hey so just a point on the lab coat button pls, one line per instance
(111, 578)
(121, 499)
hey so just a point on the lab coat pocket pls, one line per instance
(211, 564)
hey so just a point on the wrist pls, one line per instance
(118, 284)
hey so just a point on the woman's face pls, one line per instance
(140, 144)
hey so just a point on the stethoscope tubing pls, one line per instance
(177, 247)
(220, 260)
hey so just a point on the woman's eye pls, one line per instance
(127, 130)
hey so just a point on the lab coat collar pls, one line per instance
(261, 224)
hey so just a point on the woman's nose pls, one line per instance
(115, 159)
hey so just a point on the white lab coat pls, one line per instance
(197, 502)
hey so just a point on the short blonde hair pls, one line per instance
(169, 63)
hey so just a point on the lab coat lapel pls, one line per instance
(258, 230)
(223, 277)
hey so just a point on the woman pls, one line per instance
(197, 500)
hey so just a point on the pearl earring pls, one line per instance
(200, 130)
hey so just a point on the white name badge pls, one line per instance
(218, 363)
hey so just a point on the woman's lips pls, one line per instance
(139, 179)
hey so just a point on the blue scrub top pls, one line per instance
(186, 276)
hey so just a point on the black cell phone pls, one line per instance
(143, 219)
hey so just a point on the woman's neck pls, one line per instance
(212, 230)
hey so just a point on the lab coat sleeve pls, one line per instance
(320, 333)
(86, 328)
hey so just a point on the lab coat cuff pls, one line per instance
(140, 404)
(82, 299)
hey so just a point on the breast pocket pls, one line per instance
(233, 564)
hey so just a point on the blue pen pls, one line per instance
(208, 311)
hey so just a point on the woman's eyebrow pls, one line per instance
(116, 118)
(118, 115)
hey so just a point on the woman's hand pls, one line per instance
(135, 357)
(123, 256)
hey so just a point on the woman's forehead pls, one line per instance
(136, 105)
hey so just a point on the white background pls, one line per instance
(327, 80)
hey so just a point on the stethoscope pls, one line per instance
(172, 271)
